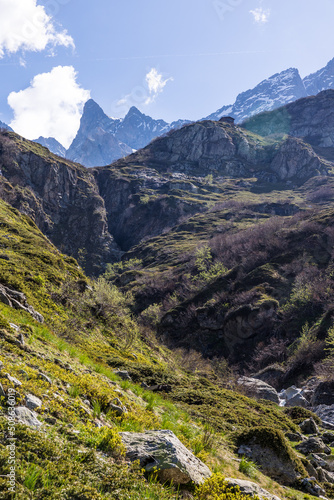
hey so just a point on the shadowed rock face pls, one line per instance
(131, 220)
(62, 198)
(311, 118)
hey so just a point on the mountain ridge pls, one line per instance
(101, 140)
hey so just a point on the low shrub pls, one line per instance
(217, 488)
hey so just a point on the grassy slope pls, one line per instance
(72, 458)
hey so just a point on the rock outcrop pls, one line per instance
(251, 489)
(223, 150)
(310, 118)
(27, 417)
(313, 445)
(18, 300)
(271, 450)
(61, 197)
(258, 389)
(323, 394)
(163, 452)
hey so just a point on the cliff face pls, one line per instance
(142, 203)
(311, 118)
(61, 197)
(224, 150)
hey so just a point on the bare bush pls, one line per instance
(265, 354)
(323, 193)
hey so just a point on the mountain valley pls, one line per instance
(179, 298)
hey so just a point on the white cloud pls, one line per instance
(50, 107)
(261, 16)
(156, 84)
(24, 25)
(145, 94)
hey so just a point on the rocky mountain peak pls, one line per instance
(321, 80)
(5, 126)
(93, 116)
(133, 111)
(271, 93)
(53, 145)
(310, 118)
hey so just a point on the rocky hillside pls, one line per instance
(91, 394)
(61, 197)
(211, 259)
(224, 150)
(52, 145)
(310, 118)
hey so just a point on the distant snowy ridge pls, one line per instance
(53, 145)
(101, 140)
(278, 90)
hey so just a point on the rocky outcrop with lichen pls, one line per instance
(224, 150)
(61, 197)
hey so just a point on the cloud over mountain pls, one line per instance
(51, 106)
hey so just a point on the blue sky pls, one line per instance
(170, 58)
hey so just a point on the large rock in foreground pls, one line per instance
(164, 452)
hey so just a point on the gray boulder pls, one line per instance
(327, 437)
(274, 461)
(313, 445)
(324, 461)
(251, 489)
(32, 402)
(164, 452)
(118, 410)
(123, 374)
(258, 389)
(294, 436)
(2, 392)
(27, 417)
(325, 476)
(44, 377)
(297, 400)
(311, 487)
(323, 394)
(310, 427)
(293, 397)
(326, 413)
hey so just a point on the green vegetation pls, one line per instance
(84, 338)
(275, 440)
(217, 488)
(234, 260)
